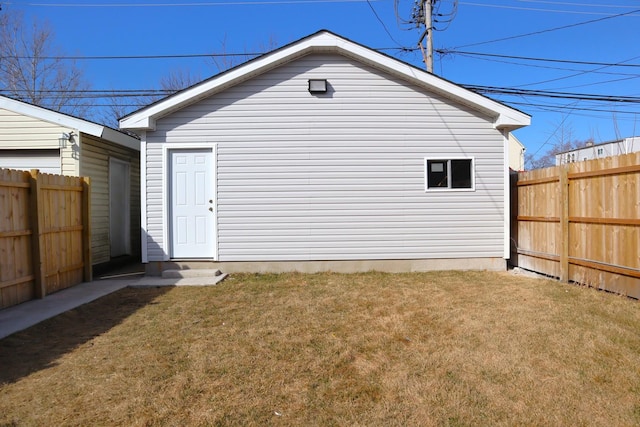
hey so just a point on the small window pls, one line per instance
(449, 174)
(600, 151)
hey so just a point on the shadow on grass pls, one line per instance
(40, 346)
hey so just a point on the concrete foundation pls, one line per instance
(390, 266)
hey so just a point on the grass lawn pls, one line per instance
(443, 348)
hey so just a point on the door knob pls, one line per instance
(210, 209)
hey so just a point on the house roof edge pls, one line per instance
(505, 117)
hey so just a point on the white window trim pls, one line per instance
(448, 189)
(165, 188)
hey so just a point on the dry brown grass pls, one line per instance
(446, 348)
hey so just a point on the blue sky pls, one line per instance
(168, 27)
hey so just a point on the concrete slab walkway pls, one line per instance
(25, 315)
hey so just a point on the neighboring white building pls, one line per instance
(325, 155)
(32, 137)
(516, 153)
(598, 151)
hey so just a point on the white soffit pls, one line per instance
(325, 42)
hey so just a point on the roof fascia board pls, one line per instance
(506, 117)
(69, 122)
(51, 116)
(120, 138)
(324, 41)
(145, 119)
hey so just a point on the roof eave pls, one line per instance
(120, 138)
(69, 122)
(506, 118)
(145, 119)
(512, 121)
(50, 116)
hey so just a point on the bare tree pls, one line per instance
(119, 105)
(564, 141)
(32, 70)
(179, 79)
(116, 107)
(224, 60)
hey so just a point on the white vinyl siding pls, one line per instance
(46, 161)
(95, 164)
(336, 176)
(20, 131)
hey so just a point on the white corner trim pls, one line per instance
(144, 234)
(507, 196)
(215, 202)
(165, 201)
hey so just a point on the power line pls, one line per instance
(561, 108)
(577, 74)
(574, 12)
(529, 58)
(168, 56)
(548, 30)
(453, 51)
(553, 94)
(382, 23)
(599, 83)
(521, 64)
(117, 57)
(496, 90)
(577, 4)
(223, 3)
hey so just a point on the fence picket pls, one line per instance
(595, 240)
(43, 222)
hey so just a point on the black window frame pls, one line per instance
(449, 174)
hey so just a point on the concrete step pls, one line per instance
(192, 273)
(154, 282)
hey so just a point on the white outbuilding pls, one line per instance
(325, 155)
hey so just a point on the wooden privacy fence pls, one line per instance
(44, 234)
(581, 222)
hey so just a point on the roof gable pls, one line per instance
(65, 120)
(325, 42)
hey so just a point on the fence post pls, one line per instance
(86, 230)
(37, 243)
(514, 243)
(564, 223)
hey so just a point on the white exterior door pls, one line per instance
(119, 208)
(192, 225)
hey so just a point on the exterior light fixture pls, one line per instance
(317, 85)
(64, 139)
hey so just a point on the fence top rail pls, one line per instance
(538, 181)
(605, 221)
(604, 172)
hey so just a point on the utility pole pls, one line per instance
(428, 7)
